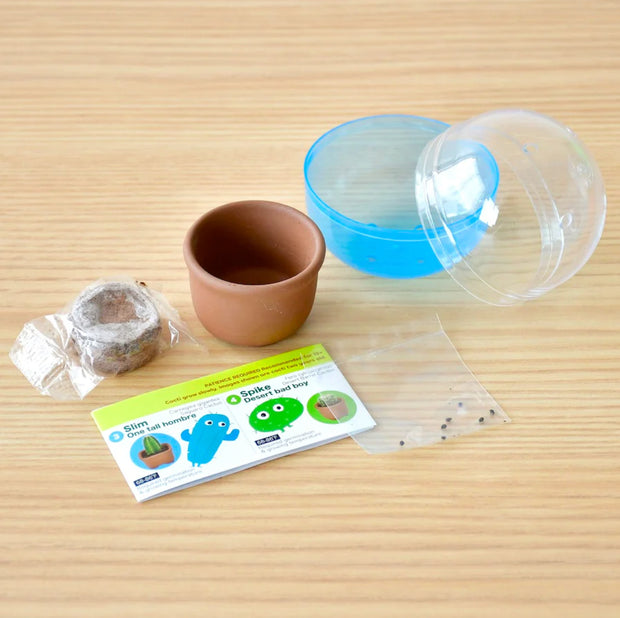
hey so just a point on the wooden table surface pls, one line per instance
(121, 121)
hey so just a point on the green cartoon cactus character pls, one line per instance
(276, 414)
(155, 453)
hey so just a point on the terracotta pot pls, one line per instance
(335, 411)
(165, 456)
(253, 269)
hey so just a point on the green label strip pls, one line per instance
(208, 386)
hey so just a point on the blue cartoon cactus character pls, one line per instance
(206, 438)
(276, 414)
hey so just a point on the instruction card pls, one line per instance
(193, 432)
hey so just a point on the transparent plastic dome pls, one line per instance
(541, 225)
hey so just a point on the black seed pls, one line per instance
(444, 426)
(402, 443)
(443, 437)
(481, 419)
(449, 419)
(460, 404)
(492, 411)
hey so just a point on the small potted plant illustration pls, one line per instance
(332, 406)
(155, 454)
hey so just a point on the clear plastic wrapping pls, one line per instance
(113, 326)
(416, 387)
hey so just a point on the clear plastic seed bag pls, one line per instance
(418, 390)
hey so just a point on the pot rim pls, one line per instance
(310, 270)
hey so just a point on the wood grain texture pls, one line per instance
(121, 121)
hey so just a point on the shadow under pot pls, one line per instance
(253, 270)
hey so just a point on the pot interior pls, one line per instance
(253, 243)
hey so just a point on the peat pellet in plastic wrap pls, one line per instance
(116, 327)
